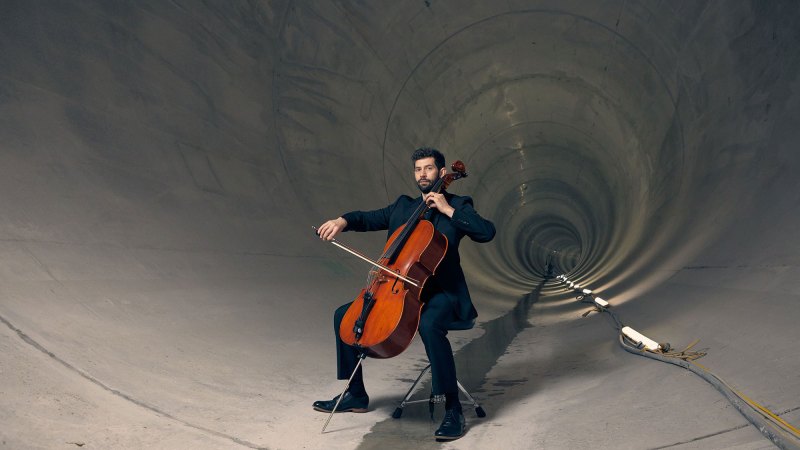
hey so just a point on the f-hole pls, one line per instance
(395, 290)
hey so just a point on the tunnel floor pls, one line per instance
(547, 377)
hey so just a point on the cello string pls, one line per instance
(390, 252)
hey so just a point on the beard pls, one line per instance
(427, 187)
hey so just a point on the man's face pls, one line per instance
(426, 173)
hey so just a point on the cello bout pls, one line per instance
(394, 316)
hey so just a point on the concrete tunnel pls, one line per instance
(163, 162)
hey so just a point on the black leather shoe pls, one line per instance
(453, 425)
(350, 403)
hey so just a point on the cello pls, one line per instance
(382, 320)
(384, 317)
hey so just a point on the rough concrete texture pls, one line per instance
(161, 164)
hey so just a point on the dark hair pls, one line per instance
(429, 152)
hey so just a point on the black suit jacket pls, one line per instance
(449, 277)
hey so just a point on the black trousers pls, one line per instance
(437, 314)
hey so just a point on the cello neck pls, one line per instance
(411, 223)
(459, 171)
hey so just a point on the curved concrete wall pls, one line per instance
(162, 164)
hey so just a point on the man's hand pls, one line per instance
(437, 201)
(331, 228)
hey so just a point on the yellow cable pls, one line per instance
(752, 402)
(766, 411)
(755, 405)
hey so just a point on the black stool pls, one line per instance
(433, 399)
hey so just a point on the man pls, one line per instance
(446, 298)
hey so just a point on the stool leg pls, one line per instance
(399, 410)
(478, 409)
